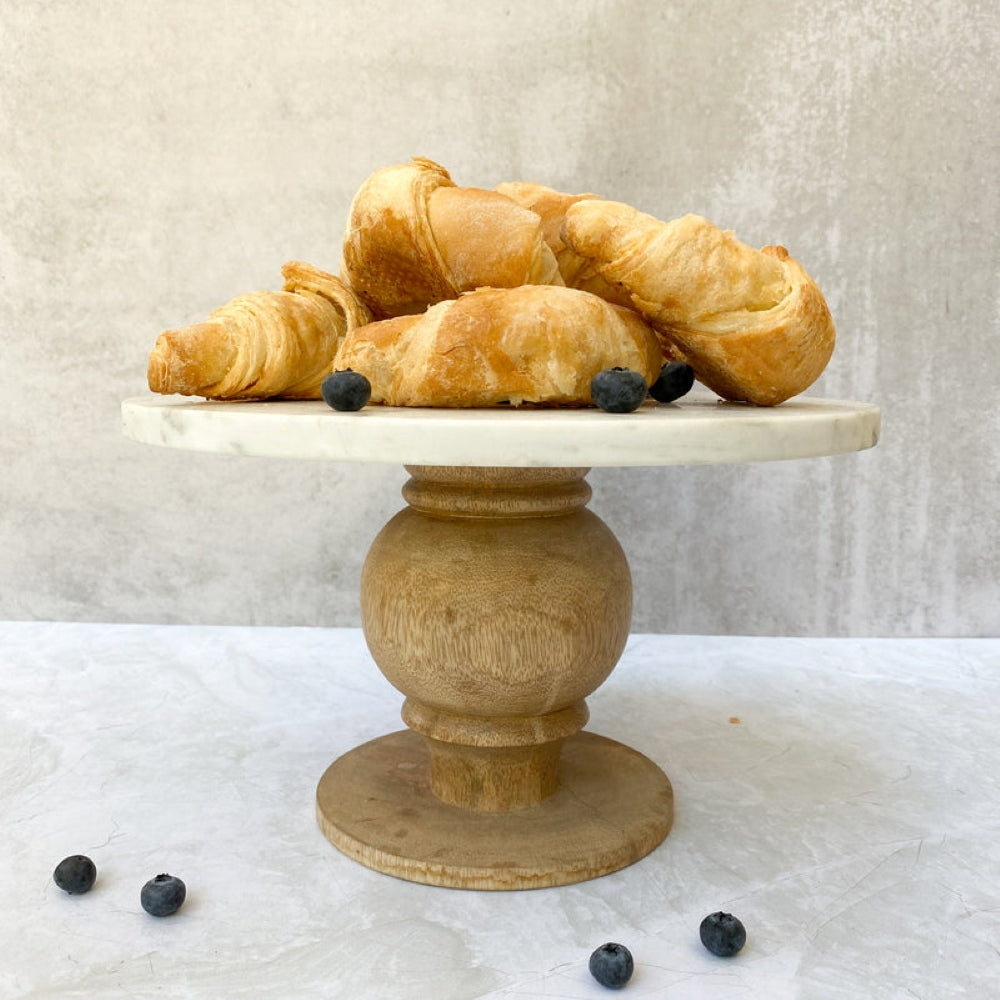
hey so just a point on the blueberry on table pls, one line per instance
(346, 390)
(618, 390)
(675, 380)
(611, 965)
(75, 874)
(723, 934)
(163, 895)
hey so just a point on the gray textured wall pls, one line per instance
(153, 165)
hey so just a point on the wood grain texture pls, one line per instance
(498, 599)
(612, 807)
(496, 603)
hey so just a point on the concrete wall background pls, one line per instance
(159, 159)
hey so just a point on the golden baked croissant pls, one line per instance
(532, 344)
(751, 323)
(261, 344)
(414, 238)
(551, 207)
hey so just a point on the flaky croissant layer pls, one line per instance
(539, 344)
(261, 344)
(551, 207)
(414, 238)
(751, 323)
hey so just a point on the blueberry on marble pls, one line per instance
(618, 390)
(611, 965)
(346, 390)
(723, 934)
(675, 380)
(163, 895)
(75, 874)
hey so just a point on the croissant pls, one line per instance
(538, 344)
(551, 207)
(751, 323)
(262, 344)
(414, 238)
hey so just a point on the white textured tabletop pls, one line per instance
(839, 796)
(697, 429)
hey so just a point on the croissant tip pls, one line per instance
(167, 369)
(156, 375)
(187, 360)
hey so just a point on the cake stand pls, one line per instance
(496, 602)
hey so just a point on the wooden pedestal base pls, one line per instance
(496, 603)
(612, 806)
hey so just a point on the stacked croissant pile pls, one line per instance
(460, 297)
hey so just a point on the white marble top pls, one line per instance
(697, 429)
(839, 796)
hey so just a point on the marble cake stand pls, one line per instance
(496, 603)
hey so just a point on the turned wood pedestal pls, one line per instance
(496, 602)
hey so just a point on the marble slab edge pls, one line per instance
(694, 431)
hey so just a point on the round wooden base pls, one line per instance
(612, 807)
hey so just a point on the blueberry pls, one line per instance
(722, 934)
(75, 874)
(675, 380)
(611, 965)
(163, 895)
(618, 390)
(346, 390)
